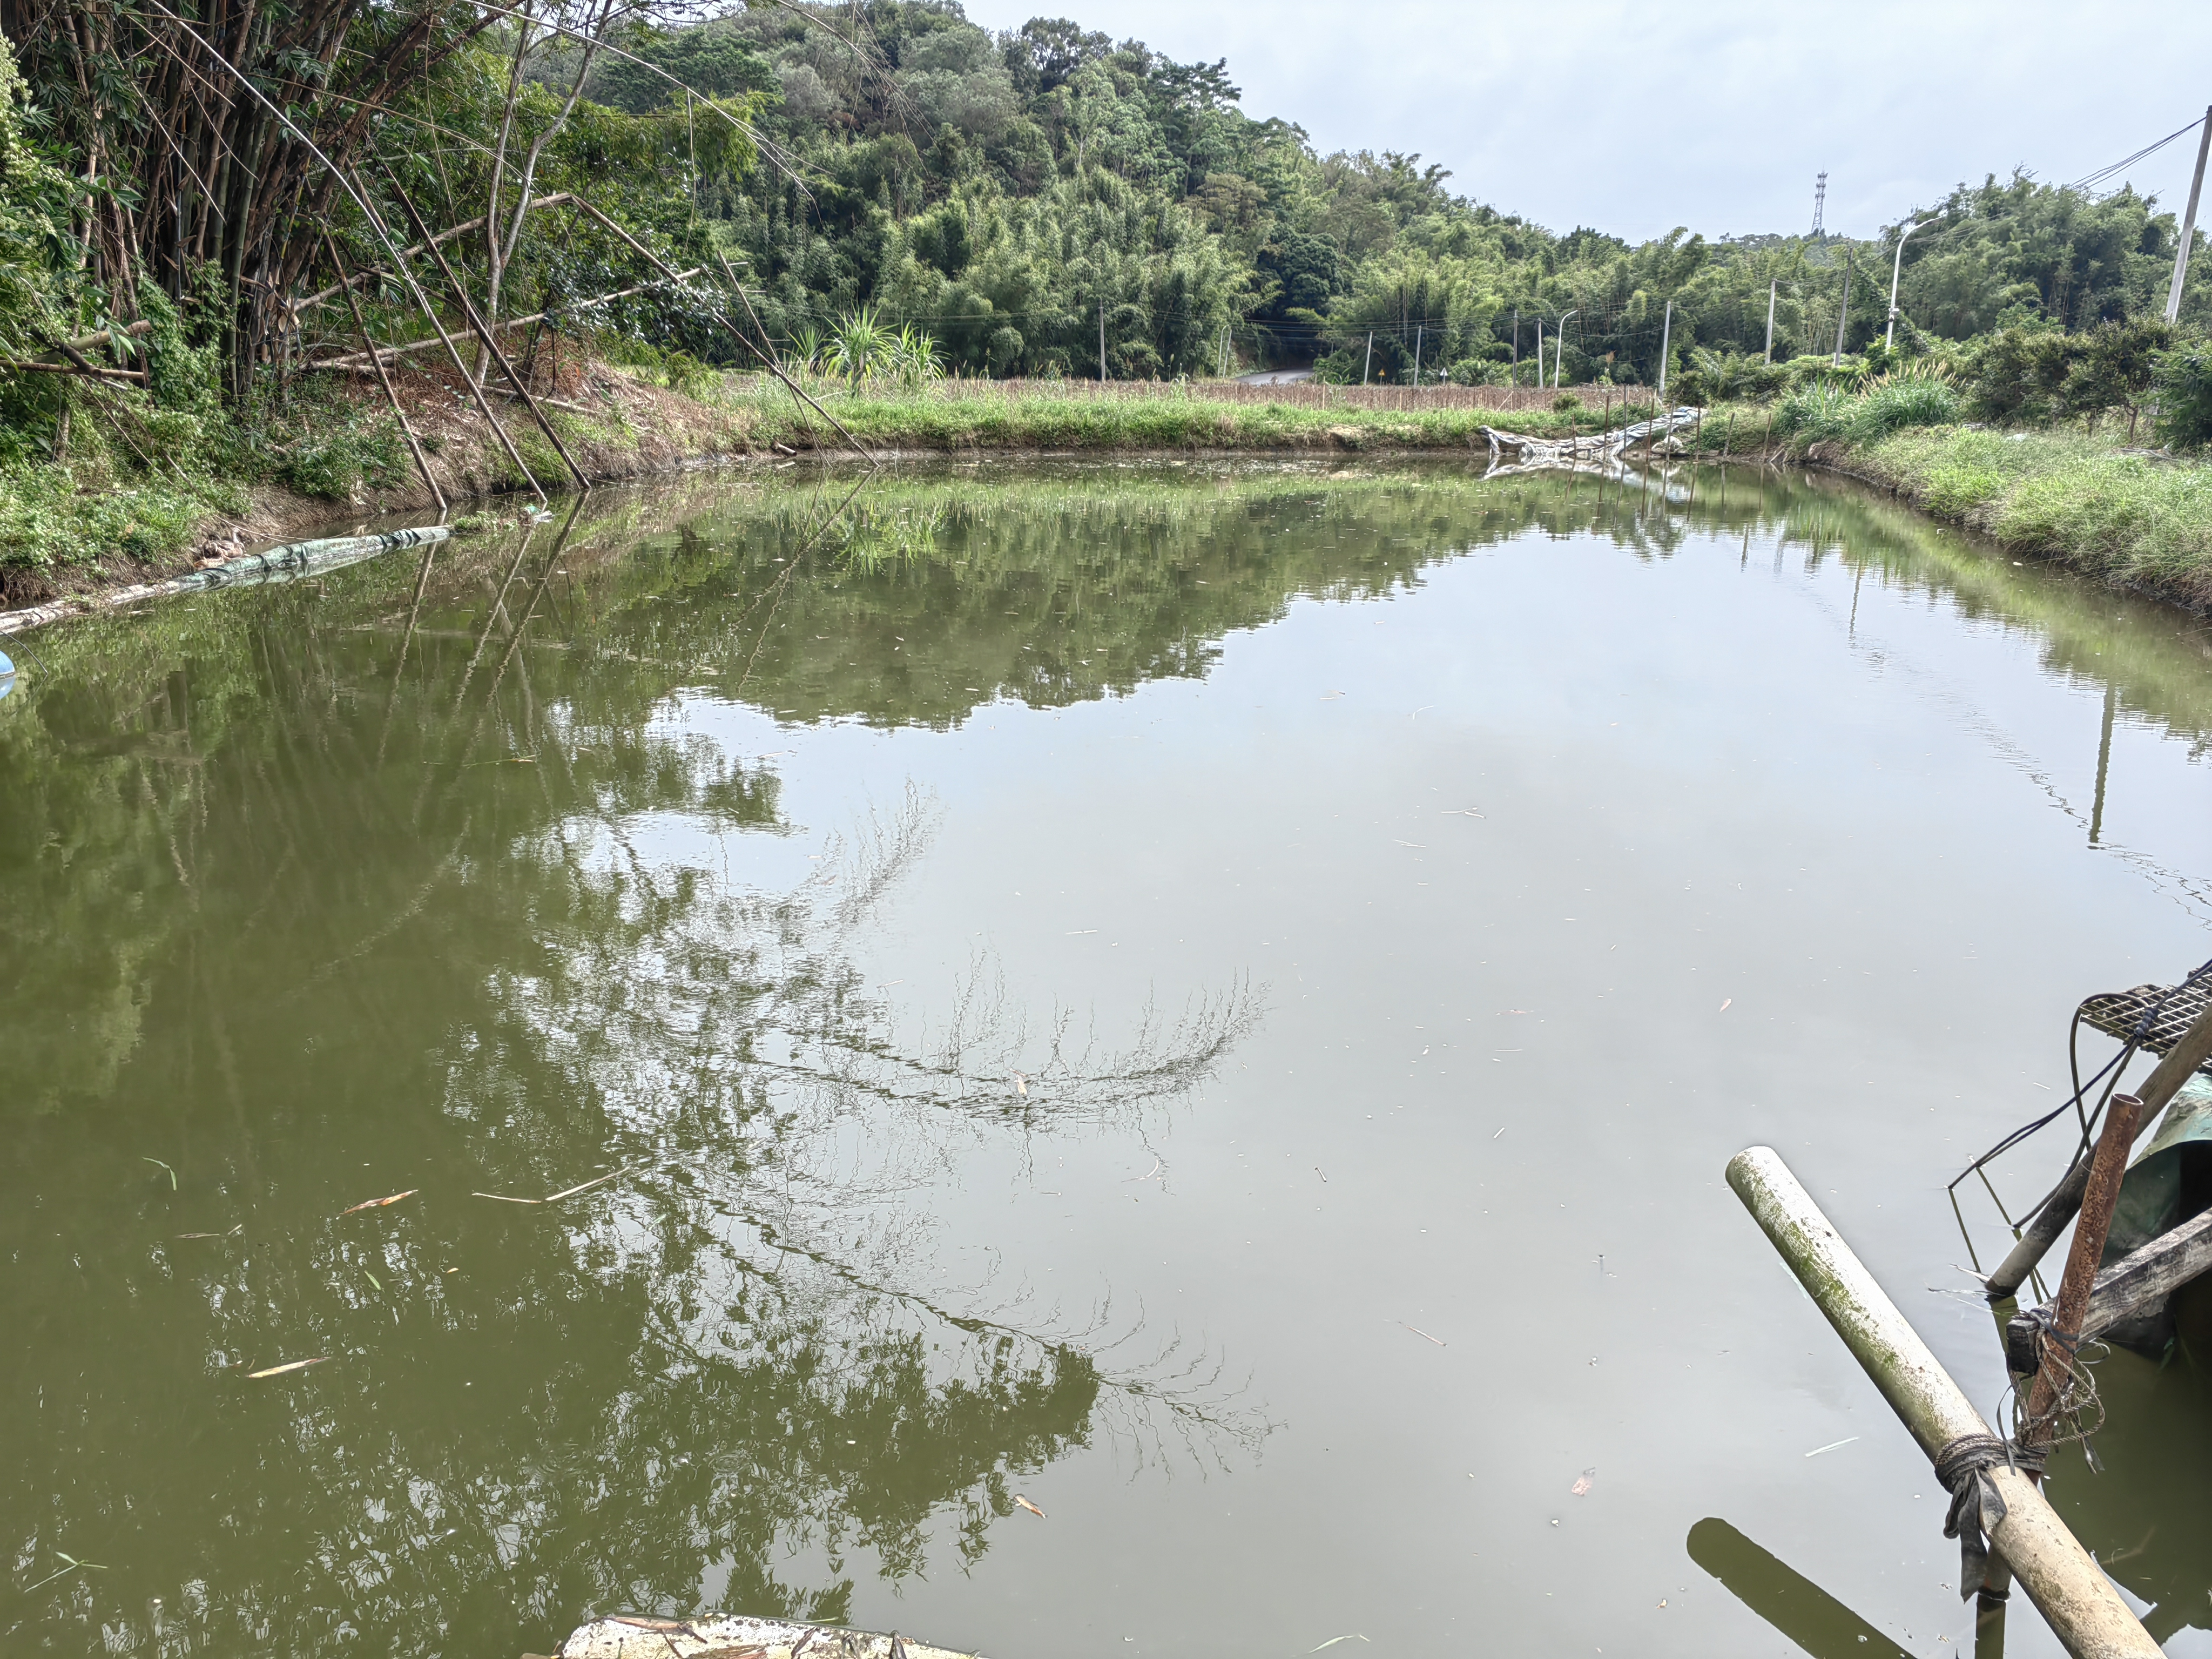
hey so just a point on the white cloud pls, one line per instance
(1635, 118)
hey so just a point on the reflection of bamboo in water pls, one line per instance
(2104, 761)
(775, 590)
(1796, 1607)
(414, 612)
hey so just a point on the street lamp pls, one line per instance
(1896, 269)
(1560, 351)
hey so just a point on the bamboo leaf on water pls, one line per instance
(70, 1564)
(568, 1192)
(288, 1365)
(379, 1203)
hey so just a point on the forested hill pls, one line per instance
(1001, 191)
(1032, 200)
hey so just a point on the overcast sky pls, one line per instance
(1637, 118)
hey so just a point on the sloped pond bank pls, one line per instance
(1129, 1057)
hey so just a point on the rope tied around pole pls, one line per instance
(2074, 1396)
(1963, 1469)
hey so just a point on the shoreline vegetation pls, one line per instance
(2136, 519)
(83, 526)
(2133, 518)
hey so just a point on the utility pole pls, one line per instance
(1101, 342)
(1369, 361)
(1417, 354)
(2188, 223)
(1516, 346)
(1772, 283)
(1896, 269)
(1558, 353)
(1843, 313)
(1540, 353)
(1666, 342)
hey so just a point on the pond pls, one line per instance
(1068, 1060)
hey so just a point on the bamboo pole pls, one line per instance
(355, 360)
(490, 341)
(2067, 1586)
(414, 444)
(94, 371)
(452, 354)
(2181, 1062)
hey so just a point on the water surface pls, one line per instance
(1210, 1004)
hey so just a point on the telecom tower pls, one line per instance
(1819, 203)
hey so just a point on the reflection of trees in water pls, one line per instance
(730, 1034)
(403, 917)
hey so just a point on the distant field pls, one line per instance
(1302, 394)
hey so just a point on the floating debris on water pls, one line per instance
(288, 1365)
(717, 1633)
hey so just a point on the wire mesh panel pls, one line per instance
(2173, 1011)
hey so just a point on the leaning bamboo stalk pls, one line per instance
(2180, 1064)
(414, 444)
(322, 296)
(490, 341)
(2067, 1586)
(452, 352)
(356, 360)
(767, 357)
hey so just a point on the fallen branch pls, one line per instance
(93, 369)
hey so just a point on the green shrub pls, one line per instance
(2184, 382)
(336, 461)
(1816, 413)
(2036, 372)
(1901, 403)
(1717, 377)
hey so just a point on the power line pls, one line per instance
(2089, 181)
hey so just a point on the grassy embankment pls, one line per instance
(952, 416)
(2132, 519)
(145, 490)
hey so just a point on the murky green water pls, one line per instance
(1210, 1004)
